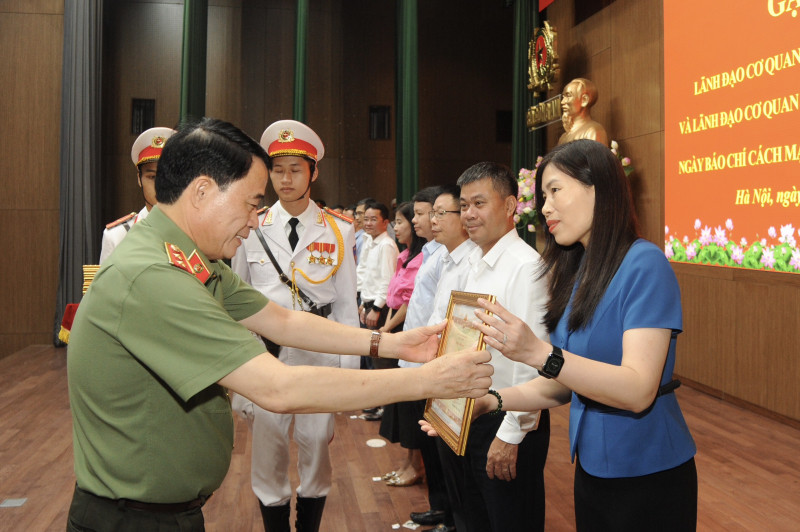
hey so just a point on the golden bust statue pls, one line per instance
(578, 97)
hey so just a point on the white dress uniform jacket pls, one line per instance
(312, 432)
(112, 236)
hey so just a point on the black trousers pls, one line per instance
(96, 514)
(664, 501)
(438, 498)
(481, 504)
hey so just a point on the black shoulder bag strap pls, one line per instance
(285, 280)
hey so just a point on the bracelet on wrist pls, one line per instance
(499, 402)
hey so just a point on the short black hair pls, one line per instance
(503, 179)
(427, 195)
(450, 190)
(365, 201)
(208, 147)
(379, 207)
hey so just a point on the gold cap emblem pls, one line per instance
(286, 135)
(158, 142)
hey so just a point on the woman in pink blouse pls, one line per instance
(396, 425)
(408, 262)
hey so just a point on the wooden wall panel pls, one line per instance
(40, 7)
(647, 182)
(465, 74)
(30, 77)
(708, 313)
(368, 78)
(741, 335)
(324, 94)
(142, 59)
(638, 69)
(374, 177)
(766, 369)
(30, 272)
(224, 50)
(31, 35)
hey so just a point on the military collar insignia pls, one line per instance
(268, 218)
(193, 264)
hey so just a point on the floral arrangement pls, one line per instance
(780, 254)
(526, 216)
(626, 162)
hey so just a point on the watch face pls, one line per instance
(553, 365)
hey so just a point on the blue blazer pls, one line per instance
(612, 443)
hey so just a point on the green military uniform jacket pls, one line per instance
(154, 333)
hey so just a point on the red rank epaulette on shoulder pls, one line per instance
(193, 264)
(262, 210)
(338, 215)
(121, 220)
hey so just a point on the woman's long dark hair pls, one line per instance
(406, 210)
(614, 229)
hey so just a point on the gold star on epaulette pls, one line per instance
(193, 264)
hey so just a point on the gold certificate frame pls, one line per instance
(452, 417)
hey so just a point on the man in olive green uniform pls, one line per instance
(163, 332)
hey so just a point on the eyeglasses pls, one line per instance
(440, 214)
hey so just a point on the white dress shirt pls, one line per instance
(510, 271)
(306, 218)
(455, 268)
(361, 272)
(376, 267)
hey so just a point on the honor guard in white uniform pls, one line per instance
(301, 257)
(145, 154)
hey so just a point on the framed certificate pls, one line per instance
(452, 417)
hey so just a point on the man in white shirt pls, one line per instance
(498, 485)
(376, 266)
(451, 233)
(145, 153)
(358, 225)
(313, 247)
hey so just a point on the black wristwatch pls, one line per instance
(552, 366)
